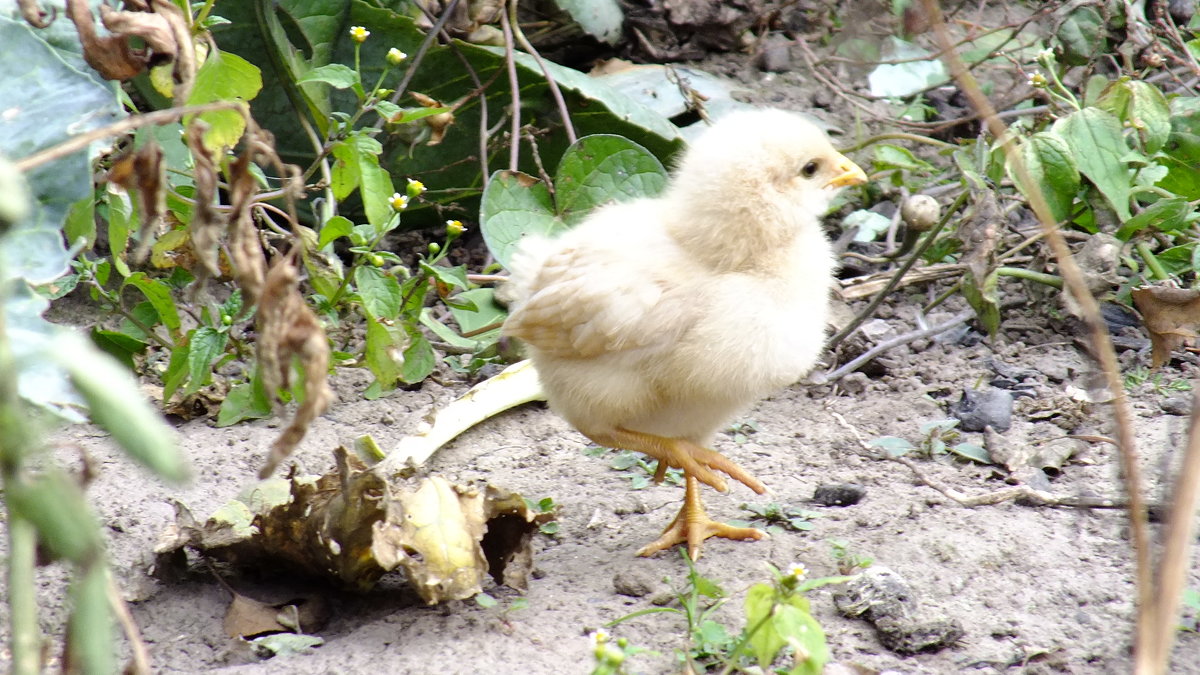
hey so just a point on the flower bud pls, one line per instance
(921, 212)
(415, 188)
(395, 56)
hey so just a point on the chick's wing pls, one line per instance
(586, 302)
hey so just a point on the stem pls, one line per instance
(554, 90)
(1152, 264)
(119, 309)
(514, 148)
(25, 641)
(729, 664)
(1030, 275)
(897, 136)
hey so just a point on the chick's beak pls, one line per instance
(847, 173)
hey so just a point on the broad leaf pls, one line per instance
(603, 168)
(601, 19)
(1100, 152)
(1051, 167)
(1143, 107)
(515, 205)
(224, 77)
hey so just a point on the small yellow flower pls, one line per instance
(415, 188)
(1037, 80)
(398, 201)
(599, 637)
(797, 571)
(359, 34)
(454, 227)
(395, 56)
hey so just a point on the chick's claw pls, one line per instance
(692, 526)
(677, 453)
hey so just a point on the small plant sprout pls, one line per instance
(609, 655)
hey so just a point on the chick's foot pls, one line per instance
(695, 461)
(692, 526)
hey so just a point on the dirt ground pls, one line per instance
(1036, 590)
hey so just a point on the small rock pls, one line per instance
(854, 383)
(776, 56)
(635, 581)
(979, 408)
(1177, 405)
(839, 494)
(884, 598)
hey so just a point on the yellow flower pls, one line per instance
(395, 56)
(359, 34)
(797, 571)
(454, 227)
(599, 637)
(398, 201)
(415, 188)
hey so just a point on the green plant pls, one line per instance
(635, 465)
(544, 505)
(1191, 610)
(848, 561)
(1138, 376)
(778, 622)
(782, 516)
(935, 440)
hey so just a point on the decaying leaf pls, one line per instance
(437, 123)
(288, 328)
(353, 525)
(978, 232)
(205, 228)
(1171, 316)
(143, 174)
(159, 25)
(249, 263)
(249, 618)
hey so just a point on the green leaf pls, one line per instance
(487, 312)
(1100, 152)
(379, 292)
(868, 225)
(1052, 168)
(894, 446)
(1082, 36)
(176, 372)
(206, 345)
(1142, 106)
(224, 77)
(485, 601)
(765, 642)
(120, 346)
(419, 358)
(602, 168)
(888, 156)
(454, 277)
(382, 353)
(336, 75)
(118, 405)
(246, 401)
(334, 228)
(515, 205)
(601, 19)
(799, 629)
(973, 452)
(357, 166)
(159, 295)
(1164, 215)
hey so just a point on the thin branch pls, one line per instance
(554, 90)
(892, 344)
(514, 148)
(82, 141)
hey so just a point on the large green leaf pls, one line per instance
(225, 77)
(1142, 106)
(48, 96)
(603, 168)
(516, 205)
(1100, 153)
(1051, 167)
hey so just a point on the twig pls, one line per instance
(77, 143)
(1101, 343)
(417, 58)
(892, 344)
(140, 655)
(896, 136)
(554, 90)
(861, 287)
(514, 148)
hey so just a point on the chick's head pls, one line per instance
(765, 159)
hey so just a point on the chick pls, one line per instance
(653, 322)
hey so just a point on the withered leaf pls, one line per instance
(249, 262)
(143, 173)
(437, 123)
(288, 328)
(249, 618)
(159, 25)
(205, 228)
(1171, 316)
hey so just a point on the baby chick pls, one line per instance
(652, 323)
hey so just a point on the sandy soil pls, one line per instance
(1036, 590)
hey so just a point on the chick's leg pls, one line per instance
(695, 460)
(692, 526)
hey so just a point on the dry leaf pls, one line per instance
(354, 525)
(143, 174)
(159, 25)
(288, 328)
(249, 263)
(205, 228)
(1172, 317)
(437, 123)
(248, 618)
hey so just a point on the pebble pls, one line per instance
(839, 494)
(1177, 405)
(979, 408)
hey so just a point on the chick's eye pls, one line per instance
(810, 169)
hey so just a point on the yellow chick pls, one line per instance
(654, 322)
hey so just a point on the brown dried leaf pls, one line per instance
(205, 228)
(1171, 316)
(159, 25)
(437, 123)
(249, 263)
(353, 525)
(288, 328)
(247, 618)
(111, 56)
(143, 173)
(33, 14)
